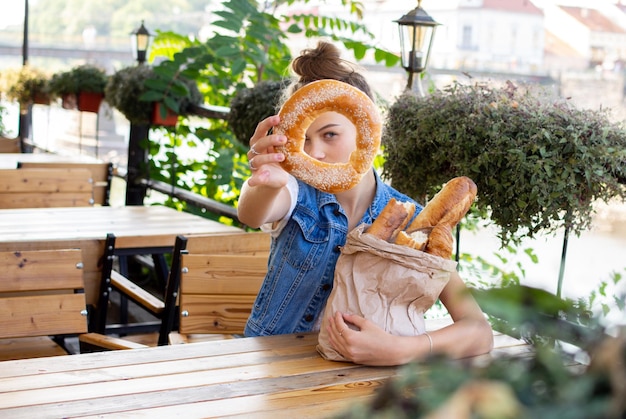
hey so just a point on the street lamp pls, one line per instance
(417, 31)
(140, 42)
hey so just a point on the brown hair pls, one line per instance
(325, 62)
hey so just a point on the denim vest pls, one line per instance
(302, 261)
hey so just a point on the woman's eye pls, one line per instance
(330, 134)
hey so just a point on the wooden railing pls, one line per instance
(211, 205)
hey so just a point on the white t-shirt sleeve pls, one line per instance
(276, 227)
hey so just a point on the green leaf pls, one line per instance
(151, 96)
(293, 28)
(156, 84)
(171, 104)
(227, 51)
(238, 66)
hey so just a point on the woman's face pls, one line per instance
(331, 138)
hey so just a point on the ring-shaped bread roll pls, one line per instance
(299, 112)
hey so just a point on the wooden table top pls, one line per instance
(10, 160)
(273, 376)
(133, 226)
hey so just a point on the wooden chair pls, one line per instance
(101, 173)
(218, 281)
(222, 275)
(45, 188)
(114, 280)
(41, 301)
(10, 145)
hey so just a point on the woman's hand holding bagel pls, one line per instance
(263, 158)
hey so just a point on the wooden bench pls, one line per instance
(113, 280)
(45, 188)
(219, 289)
(41, 296)
(42, 301)
(9, 145)
(218, 281)
(101, 174)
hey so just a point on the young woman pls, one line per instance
(308, 228)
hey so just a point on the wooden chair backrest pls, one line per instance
(45, 188)
(218, 289)
(101, 174)
(9, 145)
(244, 243)
(41, 293)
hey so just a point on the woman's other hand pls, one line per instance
(363, 342)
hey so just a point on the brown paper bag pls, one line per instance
(388, 284)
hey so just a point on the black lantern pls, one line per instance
(140, 42)
(417, 31)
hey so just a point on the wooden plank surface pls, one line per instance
(41, 293)
(11, 160)
(275, 376)
(42, 315)
(9, 145)
(283, 344)
(40, 270)
(136, 293)
(101, 173)
(130, 224)
(313, 395)
(34, 347)
(45, 180)
(86, 228)
(207, 400)
(217, 291)
(45, 188)
(223, 274)
(246, 243)
(36, 199)
(127, 381)
(215, 313)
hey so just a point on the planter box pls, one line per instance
(89, 101)
(169, 120)
(41, 99)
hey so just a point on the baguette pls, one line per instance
(416, 240)
(392, 219)
(448, 206)
(431, 230)
(440, 241)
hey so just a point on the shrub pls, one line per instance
(27, 84)
(539, 164)
(126, 86)
(250, 106)
(83, 78)
(123, 90)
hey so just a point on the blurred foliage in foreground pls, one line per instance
(544, 382)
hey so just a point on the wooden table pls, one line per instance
(10, 160)
(274, 376)
(86, 228)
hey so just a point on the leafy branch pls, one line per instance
(248, 48)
